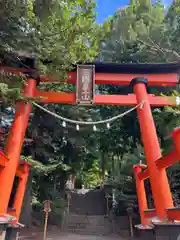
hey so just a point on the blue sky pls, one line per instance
(106, 8)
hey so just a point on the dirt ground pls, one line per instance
(57, 235)
(69, 237)
(54, 233)
(80, 237)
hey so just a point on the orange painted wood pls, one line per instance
(23, 169)
(160, 189)
(56, 97)
(173, 214)
(170, 79)
(11, 212)
(21, 188)
(142, 166)
(150, 213)
(125, 79)
(14, 145)
(176, 138)
(141, 194)
(130, 100)
(3, 159)
(19, 172)
(143, 175)
(163, 162)
(167, 160)
(119, 100)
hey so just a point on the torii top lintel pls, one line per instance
(122, 74)
(119, 74)
(108, 73)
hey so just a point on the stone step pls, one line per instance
(89, 231)
(86, 226)
(95, 225)
(124, 234)
(92, 223)
(77, 216)
(88, 202)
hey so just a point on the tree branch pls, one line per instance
(155, 47)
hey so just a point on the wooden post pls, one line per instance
(131, 226)
(69, 198)
(45, 225)
(47, 209)
(130, 217)
(141, 194)
(19, 195)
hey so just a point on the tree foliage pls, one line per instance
(141, 32)
(56, 33)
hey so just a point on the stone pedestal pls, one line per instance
(11, 233)
(167, 231)
(145, 234)
(3, 227)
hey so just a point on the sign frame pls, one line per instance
(79, 84)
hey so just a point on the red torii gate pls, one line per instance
(140, 76)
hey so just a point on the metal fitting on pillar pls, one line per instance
(140, 80)
(33, 75)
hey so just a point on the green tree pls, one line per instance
(141, 32)
(57, 34)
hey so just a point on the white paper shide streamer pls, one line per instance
(92, 123)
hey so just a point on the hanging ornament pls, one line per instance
(94, 128)
(64, 124)
(77, 127)
(177, 101)
(108, 126)
(141, 105)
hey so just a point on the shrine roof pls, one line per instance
(135, 68)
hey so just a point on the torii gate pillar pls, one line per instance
(141, 194)
(14, 145)
(158, 178)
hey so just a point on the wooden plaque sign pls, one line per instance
(85, 86)
(47, 206)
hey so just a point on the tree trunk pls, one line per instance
(54, 195)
